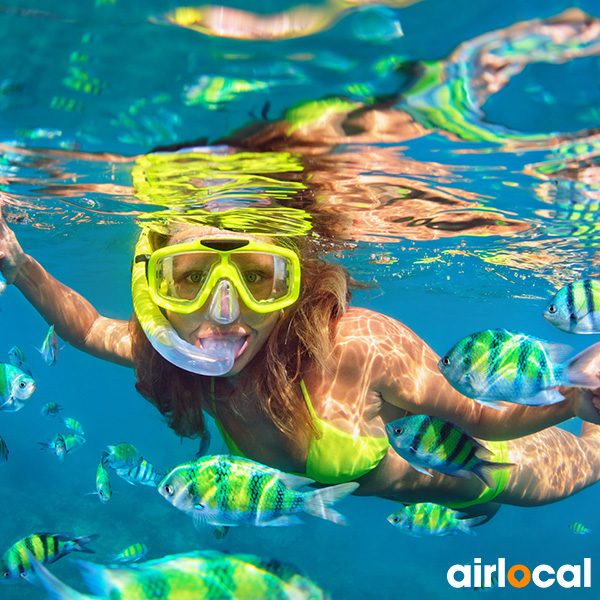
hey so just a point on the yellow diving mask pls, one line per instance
(182, 277)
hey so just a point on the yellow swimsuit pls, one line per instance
(337, 457)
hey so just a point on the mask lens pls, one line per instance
(182, 276)
(265, 276)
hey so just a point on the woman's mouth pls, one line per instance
(239, 342)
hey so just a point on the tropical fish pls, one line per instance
(3, 284)
(49, 348)
(63, 443)
(499, 365)
(17, 358)
(16, 388)
(103, 488)
(426, 518)
(208, 575)
(73, 425)
(229, 490)
(3, 451)
(122, 456)
(43, 547)
(132, 553)
(433, 443)
(144, 473)
(575, 308)
(579, 529)
(50, 410)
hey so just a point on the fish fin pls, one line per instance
(199, 519)
(495, 404)
(221, 531)
(577, 370)
(319, 502)
(79, 544)
(465, 525)
(56, 589)
(420, 469)
(544, 398)
(557, 353)
(286, 521)
(100, 579)
(294, 482)
(484, 472)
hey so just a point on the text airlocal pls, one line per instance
(519, 576)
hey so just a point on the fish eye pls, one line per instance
(6, 574)
(446, 360)
(396, 519)
(552, 309)
(22, 384)
(398, 430)
(169, 489)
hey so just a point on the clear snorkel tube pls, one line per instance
(215, 359)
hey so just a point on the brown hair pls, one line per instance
(302, 337)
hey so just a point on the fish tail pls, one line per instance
(79, 544)
(465, 525)
(56, 589)
(318, 503)
(485, 471)
(580, 370)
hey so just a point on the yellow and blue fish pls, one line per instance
(500, 365)
(427, 518)
(208, 575)
(132, 553)
(16, 388)
(575, 308)
(50, 410)
(103, 488)
(49, 349)
(579, 529)
(433, 443)
(73, 425)
(17, 358)
(229, 490)
(43, 547)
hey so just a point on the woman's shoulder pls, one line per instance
(362, 324)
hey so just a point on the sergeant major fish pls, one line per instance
(427, 518)
(49, 349)
(73, 425)
(499, 365)
(50, 410)
(579, 529)
(132, 553)
(16, 388)
(228, 490)
(434, 443)
(103, 488)
(208, 575)
(575, 308)
(63, 443)
(43, 547)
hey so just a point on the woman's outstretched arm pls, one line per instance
(75, 320)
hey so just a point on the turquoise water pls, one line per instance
(462, 228)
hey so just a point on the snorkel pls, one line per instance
(215, 358)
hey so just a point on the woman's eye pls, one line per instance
(252, 277)
(194, 277)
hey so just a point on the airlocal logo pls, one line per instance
(519, 576)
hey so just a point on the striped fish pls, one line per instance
(103, 488)
(50, 410)
(144, 474)
(229, 490)
(73, 425)
(16, 388)
(500, 365)
(63, 443)
(132, 553)
(575, 308)
(433, 443)
(426, 518)
(122, 456)
(49, 350)
(44, 547)
(208, 575)
(579, 529)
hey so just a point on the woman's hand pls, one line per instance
(12, 256)
(585, 403)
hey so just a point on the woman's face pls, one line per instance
(249, 330)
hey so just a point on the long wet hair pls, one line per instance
(302, 338)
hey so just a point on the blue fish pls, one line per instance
(17, 359)
(49, 348)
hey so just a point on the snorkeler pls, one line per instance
(256, 332)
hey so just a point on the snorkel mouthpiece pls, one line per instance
(224, 306)
(215, 358)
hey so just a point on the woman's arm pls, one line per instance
(407, 376)
(75, 320)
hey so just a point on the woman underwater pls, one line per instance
(294, 377)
